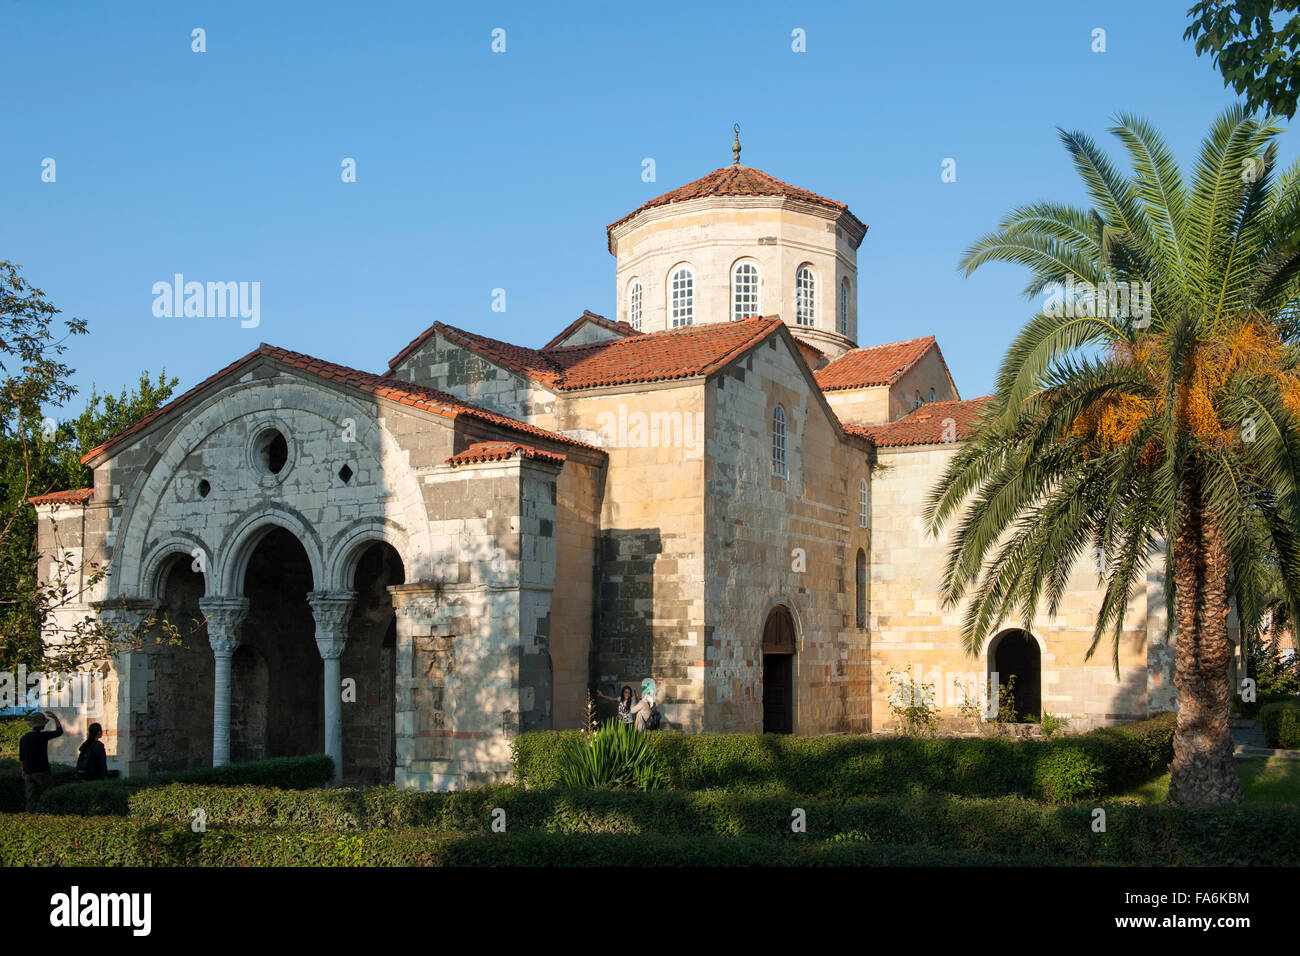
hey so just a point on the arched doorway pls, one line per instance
(778, 671)
(1015, 654)
(370, 659)
(280, 631)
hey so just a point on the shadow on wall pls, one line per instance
(623, 645)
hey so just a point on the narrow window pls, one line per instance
(805, 296)
(862, 588)
(844, 307)
(744, 291)
(682, 297)
(932, 393)
(778, 442)
(864, 504)
(634, 304)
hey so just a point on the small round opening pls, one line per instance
(204, 488)
(273, 450)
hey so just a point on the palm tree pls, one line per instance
(1160, 416)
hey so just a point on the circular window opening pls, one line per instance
(273, 450)
(204, 488)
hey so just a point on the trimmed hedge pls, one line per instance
(1062, 770)
(1281, 724)
(694, 829)
(112, 797)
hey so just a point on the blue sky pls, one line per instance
(478, 171)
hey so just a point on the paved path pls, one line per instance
(1248, 740)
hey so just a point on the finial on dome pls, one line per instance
(735, 147)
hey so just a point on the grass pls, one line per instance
(1266, 780)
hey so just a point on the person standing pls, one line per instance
(626, 701)
(92, 759)
(34, 756)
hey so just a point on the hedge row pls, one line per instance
(112, 797)
(1281, 724)
(1008, 826)
(728, 830)
(1062, 770)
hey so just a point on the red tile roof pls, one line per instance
(621, 328)
(416, 396)
(875, 365)
(500, 451)
(77, 496)
(926, 425)
(737, 181)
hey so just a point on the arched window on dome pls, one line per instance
(805, 296)
(864, 504)
(744, 291)
(681, 297)
(634, 299)
(778, 442)
(844, 307)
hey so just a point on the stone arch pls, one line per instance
(145, 500)
(234, 553)
(346, 549)
(1018, 652)
(158, 563)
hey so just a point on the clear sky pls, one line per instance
(478, 170)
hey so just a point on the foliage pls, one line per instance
(1273, 673)
(1153, 404)
(1257, 51)
(1079, 766)
(912, 703)
(113, 797)
(611, 828)
(617, 755)
(39, 455)
(1053, 724)
(1281, 724)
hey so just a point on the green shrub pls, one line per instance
(615, 756)
(112, 797)
(13, 797)
(1063, 769)
(1251, 709)
(674, 828)
(1281, 724)
(11, 731)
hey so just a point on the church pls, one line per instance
(719, 487)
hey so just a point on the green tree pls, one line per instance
(1254, 43)
(39, 455)
(1168, 426)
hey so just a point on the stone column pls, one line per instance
(224, 616)
(332, 611)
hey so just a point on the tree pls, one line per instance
(39, 455)
(1256, 57)
(1152, 406)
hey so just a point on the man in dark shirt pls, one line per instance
(34, 758)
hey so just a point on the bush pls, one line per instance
(680, 828)
(1251, 709)
(1063, 769)
(13, 798)
(617, 755)
(1281, 724)
(112, 797)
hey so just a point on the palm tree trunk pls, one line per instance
(1203, 772)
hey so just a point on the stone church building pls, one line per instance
(719, 488)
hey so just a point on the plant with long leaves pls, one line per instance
(1120, 434)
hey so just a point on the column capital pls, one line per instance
(123, 613)
(415, 600)
(224, 616)
(332, 611)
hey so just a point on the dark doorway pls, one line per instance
(370, 659)
(778, 672)
(175, 730)
(1015, 654)
(286, 665)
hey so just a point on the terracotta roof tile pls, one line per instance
(77, 496)
(736, 181)
(500, 451)
(416, 396)
(621, 328)
(927, 424)
(875, 365)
